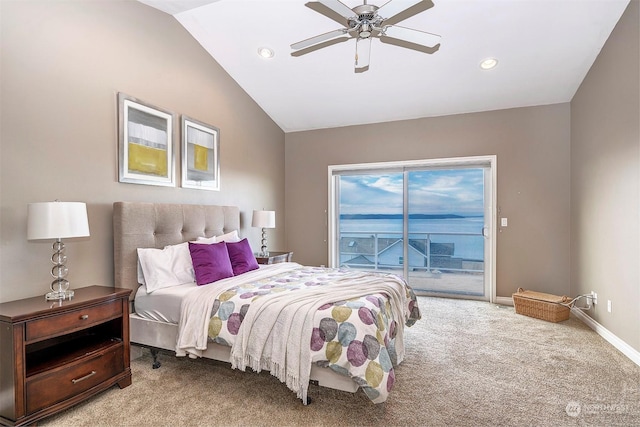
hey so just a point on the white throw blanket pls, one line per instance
(276, 332)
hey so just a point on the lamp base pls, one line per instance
(263, 249)
(58, 295)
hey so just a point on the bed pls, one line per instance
(350, 338)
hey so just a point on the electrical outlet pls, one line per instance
(594, 297)
(609, 305)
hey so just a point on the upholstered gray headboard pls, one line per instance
(156, 225)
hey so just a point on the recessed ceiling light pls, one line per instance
(488, 63)
(266, 52)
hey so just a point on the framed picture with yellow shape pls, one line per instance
(146, 143)
(200, 155)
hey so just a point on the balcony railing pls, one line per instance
(430, 252)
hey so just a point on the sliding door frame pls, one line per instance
(334, 171)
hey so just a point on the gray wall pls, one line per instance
(63, 63)
(532, 148)
(605, 181)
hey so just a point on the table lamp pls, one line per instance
(57, 220)
(264, 219)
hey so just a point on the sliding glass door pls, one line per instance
(370, 220)
(429, 222)
(446, 222)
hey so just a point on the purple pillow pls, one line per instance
(241, 255)
(210, 262)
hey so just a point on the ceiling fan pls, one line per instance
(367, 21)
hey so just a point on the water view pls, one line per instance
(440, 230)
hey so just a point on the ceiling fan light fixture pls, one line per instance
(266, 52)
(489, 63)
(365, 30)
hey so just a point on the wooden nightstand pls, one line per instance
(56, 354)
(274, 257)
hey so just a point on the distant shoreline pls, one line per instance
(400, 216)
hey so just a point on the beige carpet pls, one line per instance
(467, 364)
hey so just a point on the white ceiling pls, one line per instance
(544, 48)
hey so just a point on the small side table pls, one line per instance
(274, 257)
(56, 354)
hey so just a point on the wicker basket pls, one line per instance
(541, 306)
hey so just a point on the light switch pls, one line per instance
(503, 222)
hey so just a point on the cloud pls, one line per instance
(391, 184)
(439, 191)
(370, 194)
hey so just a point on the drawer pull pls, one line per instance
(84, 317)
(75, 381)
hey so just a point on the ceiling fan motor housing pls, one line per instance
(367, 20)
(365, 11)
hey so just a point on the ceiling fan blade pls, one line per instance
(363, 53)
(318, 46)
(329, 13)
(389, 10)
(339, 7)
(410, 35)
(392, 15)
(318, 39)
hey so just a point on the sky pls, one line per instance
(456, 191)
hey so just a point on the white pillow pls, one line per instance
(205, 240)
(163, 268)
(140, 273)
(229, 237)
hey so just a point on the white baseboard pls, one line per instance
(504, 300)
(611, 338)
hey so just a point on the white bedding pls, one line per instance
(163, 304)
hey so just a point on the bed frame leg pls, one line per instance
(156, 362)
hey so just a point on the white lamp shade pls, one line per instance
(57, 220)
(264, 219)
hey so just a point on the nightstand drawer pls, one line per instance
(73, 320)
(46, 389)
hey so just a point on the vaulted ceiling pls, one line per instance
(544, 50)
